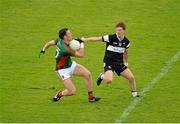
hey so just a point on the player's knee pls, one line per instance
(87, 75)
(108, 80)
(72, 91)
(131, 78)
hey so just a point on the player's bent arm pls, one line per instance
(91, 39)
(79, 53)
(48, 44)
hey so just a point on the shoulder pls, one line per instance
(58, 40)
(126, 40)
(108, 37)
(112, 36)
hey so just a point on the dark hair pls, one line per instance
(121, 24)
(62, 32)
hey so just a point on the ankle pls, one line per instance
(60, 94)
(102, 76)
(90, 95)
(134, 93)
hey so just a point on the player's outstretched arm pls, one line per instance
(91, 39)
(46, 46)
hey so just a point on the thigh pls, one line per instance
(108, 74)
(108, 71)
(81, 70)
(127, 73)
(69, 84)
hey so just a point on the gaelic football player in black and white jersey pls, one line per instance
(116, 57)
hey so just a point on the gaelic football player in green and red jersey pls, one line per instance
(66, 68)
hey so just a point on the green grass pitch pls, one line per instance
(28, 83)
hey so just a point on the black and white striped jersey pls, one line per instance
(115, 48)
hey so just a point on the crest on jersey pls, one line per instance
(120, 44)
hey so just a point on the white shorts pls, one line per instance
(67, 72)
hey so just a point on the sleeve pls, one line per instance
(105, 38)
(127, 44)
(78, 39)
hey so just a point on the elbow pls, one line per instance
(80, 55)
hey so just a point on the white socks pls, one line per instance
(102, 76)
(134, 93)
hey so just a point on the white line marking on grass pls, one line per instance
(148, 87)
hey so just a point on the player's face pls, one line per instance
(120, 31)
(68, 35)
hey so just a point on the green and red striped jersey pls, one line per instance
(63, 55)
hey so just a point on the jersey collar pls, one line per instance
(119, 37)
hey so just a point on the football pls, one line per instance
(74, 45)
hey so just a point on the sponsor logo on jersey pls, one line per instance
(115, 43)
(115, 49)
